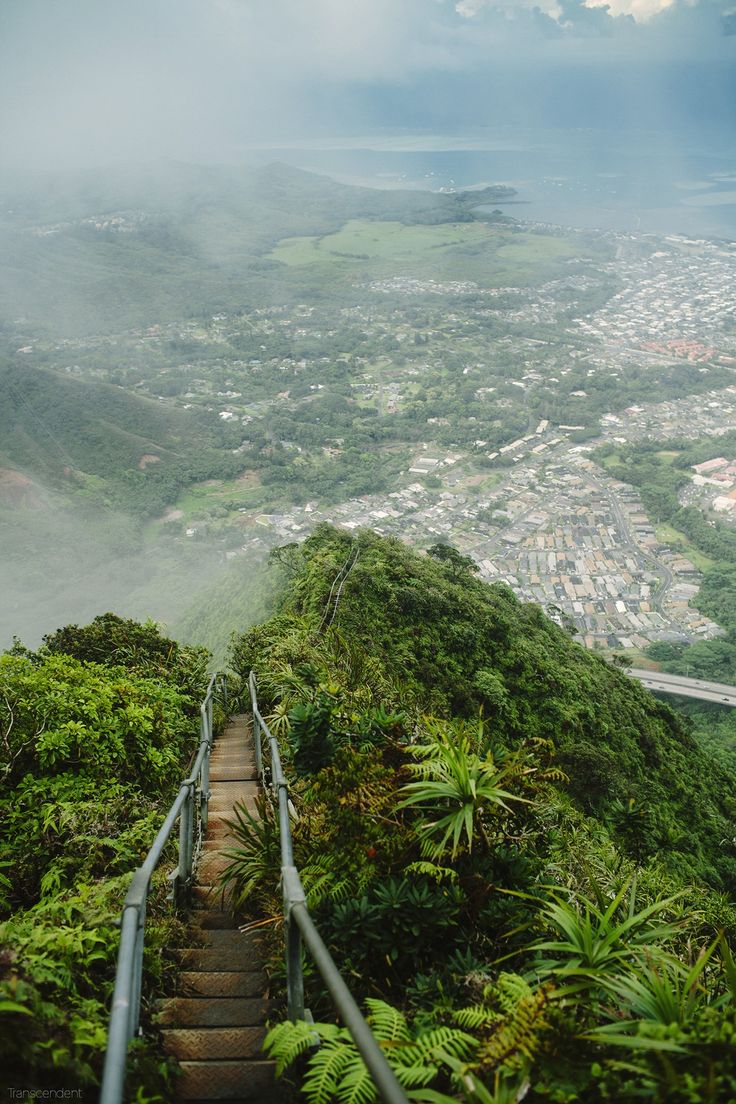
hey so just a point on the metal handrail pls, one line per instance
(191, 808)
(299, 925)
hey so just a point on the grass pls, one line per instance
(673, 538)
(638, 657)
(245, 493)
(487, 255)
(361, 239)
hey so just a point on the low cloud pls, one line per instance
(92, 80)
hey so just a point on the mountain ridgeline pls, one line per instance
(518, 857)
(456, 647)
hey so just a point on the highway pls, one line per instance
(685, 687)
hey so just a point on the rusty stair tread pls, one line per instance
(220, 983)
(235, 1080)
(210, 1043)
(214, 958)
(213, 1012)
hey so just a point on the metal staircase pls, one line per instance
(215, 1025)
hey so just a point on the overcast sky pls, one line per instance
(88, 81)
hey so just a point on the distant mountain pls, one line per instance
(97, 253)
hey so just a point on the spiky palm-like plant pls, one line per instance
(664, 992)
(457, 790)
(597, 940)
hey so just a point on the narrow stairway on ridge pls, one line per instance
(215, 1025)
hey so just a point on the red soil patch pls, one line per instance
(147, 459)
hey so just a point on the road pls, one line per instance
(685, 687)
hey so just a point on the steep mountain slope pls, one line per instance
(458, 646)
(111, 445)
(518, 931)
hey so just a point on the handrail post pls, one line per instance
(186, 825)
(204, 795)
(293, 895)
(135, 1002)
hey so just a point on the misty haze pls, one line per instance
(388, 350)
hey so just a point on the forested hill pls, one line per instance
(450, 645)
(100, 442)
(517, 856)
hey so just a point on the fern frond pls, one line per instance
(387, 1023)
(475, 1017)
(325, 1072)
(286, 1041)
(324, 885)
(450, 1040)
(356, 1085)
(417, 1076)
(432, 870)
(516, 1040)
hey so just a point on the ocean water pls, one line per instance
(649, 183)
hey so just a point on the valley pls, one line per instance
(428, 377)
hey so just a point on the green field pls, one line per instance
(668, 535)
(451, 251)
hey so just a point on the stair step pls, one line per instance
(216, 958)
(222, 842)
(222, 809)
(236, 1080)
(241, 942)
(206, 897)
(213, 1012)
(204, 920)
(235, 772)
(211, 866)
(207, 1043)
(234, 790)
(217, 983)
(220, 825)
(232, 754)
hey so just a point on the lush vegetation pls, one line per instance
(659, 470)
(97, 728)
(510, 848)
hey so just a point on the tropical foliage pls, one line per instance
(509, 847)
(96, 729)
